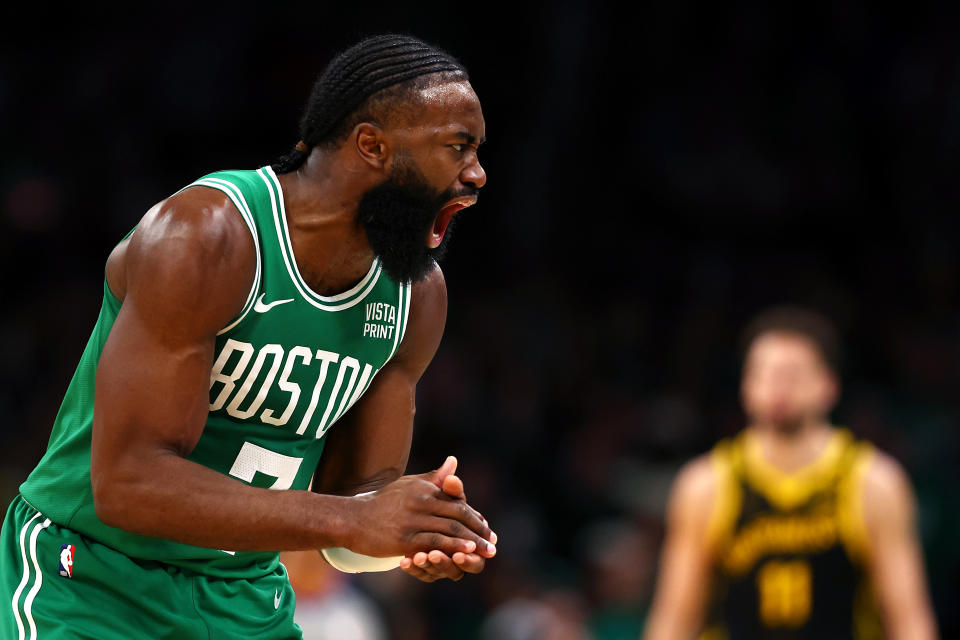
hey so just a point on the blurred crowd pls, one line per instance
(760, 155)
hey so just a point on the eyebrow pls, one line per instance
(470, 138)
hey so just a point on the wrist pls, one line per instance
(337, 522)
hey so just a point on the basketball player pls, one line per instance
(793, 529)
(242, 318)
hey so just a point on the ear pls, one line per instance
(371, 144)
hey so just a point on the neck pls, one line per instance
(321, 199)
(792, 449)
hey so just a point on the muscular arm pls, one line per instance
(185, 274)
(894, 556)
(680, 597)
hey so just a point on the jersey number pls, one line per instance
(785, 590)
(253, 458)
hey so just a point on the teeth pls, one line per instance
(466, 201)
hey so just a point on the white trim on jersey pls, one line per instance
(406, 310)
(236, 196)
(360, 290)
(396, 332)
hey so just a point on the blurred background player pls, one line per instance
(792, 529)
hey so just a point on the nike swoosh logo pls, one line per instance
(260, 307)
(276, 599)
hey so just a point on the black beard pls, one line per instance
(397, 215)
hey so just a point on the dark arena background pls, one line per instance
(653, 182)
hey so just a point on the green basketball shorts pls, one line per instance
(56, 583)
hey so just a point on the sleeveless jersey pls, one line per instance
(789, 549)
(284, 371)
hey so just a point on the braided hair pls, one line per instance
(367, 82)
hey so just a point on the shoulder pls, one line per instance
(202, 221)
(696, 479)
(430, 293)
(192, 250)
(428, 316)
(881, 500)
(886, 486)
(707, 497)
(702, 478)
(694, 489)
(205, 219)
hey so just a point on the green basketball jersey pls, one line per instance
(285, 369)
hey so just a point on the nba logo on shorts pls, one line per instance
(66, 560)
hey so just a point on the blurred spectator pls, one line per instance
(329, 607)
(620, 563)
(557, 615)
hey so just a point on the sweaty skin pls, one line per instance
(186, 272)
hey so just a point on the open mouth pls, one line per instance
(442, 221)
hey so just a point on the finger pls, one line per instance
(449, 544)
(454, 530)
(453, 486)
(420, 560)
(411, 569)
(448, 468)
(469, 562)
(443, 567)
(461, 512)
(435, 566)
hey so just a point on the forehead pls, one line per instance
(784, 347)
(449, 106)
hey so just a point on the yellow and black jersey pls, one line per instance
(790, 548)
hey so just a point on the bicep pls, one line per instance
(153, 373)
(148, 392)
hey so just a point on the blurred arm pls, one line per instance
(684, 579)
(894, 555)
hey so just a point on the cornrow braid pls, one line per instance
(381, 70)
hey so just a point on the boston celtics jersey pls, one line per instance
(284, 371)
(789, 548)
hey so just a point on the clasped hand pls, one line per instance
(435, 564)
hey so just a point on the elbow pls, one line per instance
(103, 499)
(108, 500)
(129, 491)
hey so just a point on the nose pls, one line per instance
(474, 175)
